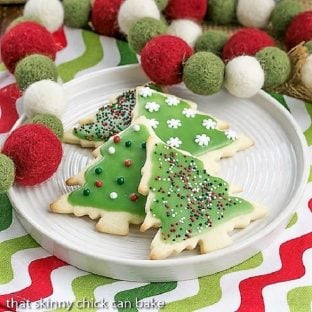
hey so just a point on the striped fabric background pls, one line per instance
(277, 279)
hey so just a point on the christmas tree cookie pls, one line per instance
(109, 186)
(190, 206)
(109, 120)
(177, 123)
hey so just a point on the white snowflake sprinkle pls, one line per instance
(174, 123)
(152, 107)
(231, 134)
(189, 112)
(172, 101)
(209, 124)
(146, 92)
(174, 142)
(153, 123)
(202, 139)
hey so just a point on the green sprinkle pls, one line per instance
(120, 180)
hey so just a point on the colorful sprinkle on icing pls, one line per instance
(120, 180)
(98, 183)
(116, 139)
(98, 170)
(134, 197)
(186, 199)
(113, 195)
(136, 128)
(113, 118)
(128, 163)
(86, 192)
(112, 150)
(109, 120)
(128, 144)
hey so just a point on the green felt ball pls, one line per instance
(7, 173)
(34, 68)
(76, 13)
(143, 31)
(222, 12)
(308, 45)
(203, 73)
(50, 121)
(276, 65)
(162, 4)
(22, 19)
(211, 41)
(282, 15)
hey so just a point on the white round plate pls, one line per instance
(273, 173)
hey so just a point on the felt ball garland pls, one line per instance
(25, 39)
(50, 121)
(299, 30)
(273, 65)
(50, 13)
(104, 16)
(77, 13)
(36, 153)
(247, 41)
(7, 173)
(142, 22)
(32, 153)
(162, 59)
(34, 68)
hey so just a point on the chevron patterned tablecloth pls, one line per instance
(277, 279)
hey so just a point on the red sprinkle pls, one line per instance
(98, 183)
(128, 163)
(116, 139)
(134, 197)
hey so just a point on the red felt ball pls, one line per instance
(36, 153)
(163, 57)
(104, 17)
(300, 29)
(25, 39)
(247, 41)
(190, 9)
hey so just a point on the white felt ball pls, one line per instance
(49, 12)
(244, 76)
(45, 96)
(306, 73)
(187, 30)
(133, 10)
(254, 13)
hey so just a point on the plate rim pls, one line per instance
(145, 263)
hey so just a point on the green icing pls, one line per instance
(186, 199)
(117, 173)
(177, 124)
(111, 119)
